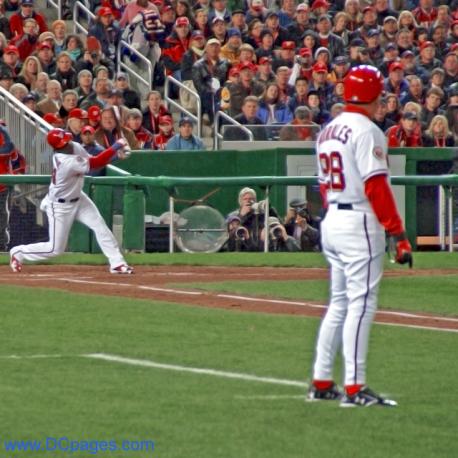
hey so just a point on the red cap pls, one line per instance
(234, 71)
(264, 60)
(78, 113)
(182, 21)
(396, 66)
(369, 8)
(44, 45)
(52, 118)
(93, 113)
(304, 52)
(10, 49)
(319, 67)
(166, 8)
(319, 4)
(87, 129)
(105, 11)
(166, 119)
(288, 45)
(426, 44)
(248, 65)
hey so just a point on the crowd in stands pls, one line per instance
(263, 62)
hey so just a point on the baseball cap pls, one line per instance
(319, 67)
(297, 202)
(27, 2)
(231, 218)
(324, 17)
(396, 66)
(166, 119)
(44, 45)
(197, 34)
(368, 8)
(182, 21)
(390, 47)
(319, 4)
(390, 18)
(166, 8)
(93, 113)
(238, 11)
(46, 36)
(52, 118)
(264, 60)
(104, 11)
(11, 49)
(217, 19)
(437, 70)
(407, 53)
(122, 76)
(409, 115)
(115, 93)
(233, 32)
(29, 97)
(234, 71)
(304, 52)
(373, 33)
(272, 14)
(283, 68)
(78, 113)
(341, 60)
(213, 41)
(291, 45)
(247, 66)
(426, 44)
(357, 42)
(87, 129)
(185, 120)
(302, 7)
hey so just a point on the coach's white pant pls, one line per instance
(354, 245)
(60, 218)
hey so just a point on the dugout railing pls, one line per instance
(136, 190)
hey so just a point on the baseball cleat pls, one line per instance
(330, 394)
(366, 398)
(122, 269)
(15, 264)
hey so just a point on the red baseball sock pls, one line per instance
(352, 389)
(323, 384)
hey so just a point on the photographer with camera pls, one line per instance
(239, 236)
(300, 225)
(279, 240)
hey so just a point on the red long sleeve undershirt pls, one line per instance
(102, 159)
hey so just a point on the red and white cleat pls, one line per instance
(122, 269)
(15, 264)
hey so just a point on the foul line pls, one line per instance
(195, 370)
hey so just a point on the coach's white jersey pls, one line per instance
(350, 150)
(68, 174)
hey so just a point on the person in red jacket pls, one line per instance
(405, 134)
(165, 132)
(26, 12)
(176, 44)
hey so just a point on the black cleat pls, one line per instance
(365, 397)
(330, 394)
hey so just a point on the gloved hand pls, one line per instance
(403, 250)
(119, 144)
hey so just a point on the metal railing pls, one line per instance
(57, 6)
(217, 137)
(169, 82)
(79, 11)
(137, 78)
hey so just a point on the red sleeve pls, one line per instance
(15, 25)
(324, 195)
(102, 159)
(379, 193)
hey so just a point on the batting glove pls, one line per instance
(119, 144)
(403, 250)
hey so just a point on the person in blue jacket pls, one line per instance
(271, 109)
(185, 139)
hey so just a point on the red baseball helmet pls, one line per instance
(93, 113)
(58, 138)
(362, 84)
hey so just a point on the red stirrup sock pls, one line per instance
(323, 384)
(352, 389)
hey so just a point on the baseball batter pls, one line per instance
(353, 176)
(66, 202)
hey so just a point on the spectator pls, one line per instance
(183, 9)
(93, 57)
(239, 237)
(219, 11)
(320, 84)
(404, 134)
(280, 34)
(165, 132)
(376, 52)
(299, 98)
(59, 29)
(439, 38)
(438, 134)
(352, 9)
(404, 41)
(426, 60)
(75, 47)
(27, 41)
(130, 97)
(238, 21)
(286, 12)
(437, 79)
(69, 102)
(19, 91)
(65, 73)
(153, 111)
(4, 22)
(106, 31)
(115, 99)
(29, 72)
(168, 17)
(256, 12)
(49, 38)
(10, 61)
(41, 84)
(389, 31)
(133, 8)
(144, 137)
(391, 55)
(30, 101)
(231, 50)
(327, 38)
(111, 130)
(92, 147)
(340, 67)
(406, 20)
(201, 22)
(415, 92)
(219, 30)
(393, 107)
(369, 22)
(411, 67)
(266, 45)
(380, 118)
(301, 127)
(340, 29)
(319, 7)
(247, 54)
(102, 89)
(396, 83)
(27, 11)
(282, 79)
(76, 120)
(303, 66)
(84, 87)
(433, 101)
(53, 100)
(337, 95)
(319, 114)
(322, 56)
(184, 139)
(287, 56)
(94, 113)
(208, 75)
(6, 78)
(175, 46)
(45, 55)
(300, 225)
(271, 109)
(451, 69)
(300, 24)
(309, 39)
(425, 14)
(265, 74)
(452, 110)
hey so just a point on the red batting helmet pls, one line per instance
(58, 138)
(362, 84)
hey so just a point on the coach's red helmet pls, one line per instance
(58, 138)
(362, 84)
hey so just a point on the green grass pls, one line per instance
(422, 260)
(198, 416)
(435, 294)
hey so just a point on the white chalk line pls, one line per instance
(195, 370)
(270, 397)
(273, 301)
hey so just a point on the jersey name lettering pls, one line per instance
(337, 132)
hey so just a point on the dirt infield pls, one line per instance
(156, 283)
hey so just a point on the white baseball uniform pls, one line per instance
(350, 150)
(65, 203)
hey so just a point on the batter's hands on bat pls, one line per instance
(119, 144)
(403, 250)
